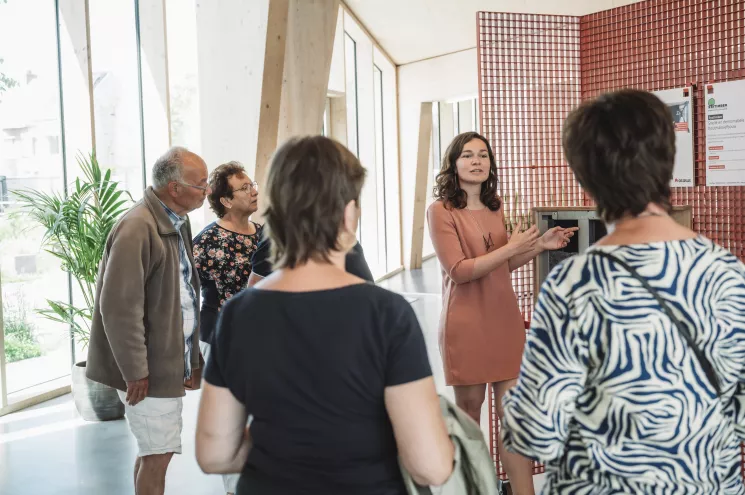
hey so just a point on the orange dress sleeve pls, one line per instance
(447, 244)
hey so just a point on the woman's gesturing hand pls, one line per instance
(524, 242)
(556, 238)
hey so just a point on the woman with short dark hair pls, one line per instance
(332, 371)
(633, 377)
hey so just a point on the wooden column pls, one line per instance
(420, 192)
(338, 119)
(311, 27)
(271, 87)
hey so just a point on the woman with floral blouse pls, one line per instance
(223, 250)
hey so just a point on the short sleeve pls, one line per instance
(407, 354)
(447, 244)
(260, 263)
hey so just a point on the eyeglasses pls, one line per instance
(201, 188)
(252, 185)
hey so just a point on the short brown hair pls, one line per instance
(220, 187)
(621, 147)
(310, 182)
(447, 189)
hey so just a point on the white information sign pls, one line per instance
(680, 102)
(725, 134)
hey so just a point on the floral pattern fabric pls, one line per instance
(223, 257)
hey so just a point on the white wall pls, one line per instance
(379, 233)
(443, 78)
(231, 40)
(391, 184)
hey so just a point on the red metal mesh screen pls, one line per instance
(665, 44)
(529, 79)
(533, 69)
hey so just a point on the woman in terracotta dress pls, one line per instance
(482, 332)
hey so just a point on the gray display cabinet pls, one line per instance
(591, 229)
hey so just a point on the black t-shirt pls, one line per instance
(311, 368)
(355, 262)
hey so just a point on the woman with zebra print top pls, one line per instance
(611, 396)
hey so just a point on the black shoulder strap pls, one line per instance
(705, 364)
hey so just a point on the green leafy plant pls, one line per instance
(76, 229)
(20, 341)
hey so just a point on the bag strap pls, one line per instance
(703, 361)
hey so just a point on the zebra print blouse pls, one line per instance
(611, 397)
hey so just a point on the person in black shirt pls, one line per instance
(354, 262)
(330, 372)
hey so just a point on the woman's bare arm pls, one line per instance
(223, 440)
(421, 435)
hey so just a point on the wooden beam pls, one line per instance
(420, 191)
(400, 171)
(338, 119)
(311, 27)
(367, 32)
(271, 87)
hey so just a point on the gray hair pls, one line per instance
(169, 167)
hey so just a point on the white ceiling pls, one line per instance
(412, 30)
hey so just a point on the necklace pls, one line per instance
(488, 243)
(611, 227)
(238, 229)
(650, 214)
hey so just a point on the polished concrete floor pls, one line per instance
(49, 449)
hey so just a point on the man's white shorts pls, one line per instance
(155, 423)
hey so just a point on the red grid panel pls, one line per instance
(663, 44)
(533, 69)
(529, 80)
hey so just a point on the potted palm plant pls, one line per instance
(76, 228)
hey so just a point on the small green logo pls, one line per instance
(712, 102)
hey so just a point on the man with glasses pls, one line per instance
(145, 334)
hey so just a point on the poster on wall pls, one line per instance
(680, 102)
(725, 134)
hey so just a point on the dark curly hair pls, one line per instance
(448, 188)
(220, 187)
